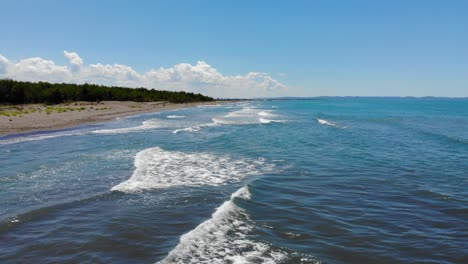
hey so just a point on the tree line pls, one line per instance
(18, 92)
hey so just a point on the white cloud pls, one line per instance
(75, 61)
(199, 78)
(37, 69)
(4, 62)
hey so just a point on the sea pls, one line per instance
(322, 180)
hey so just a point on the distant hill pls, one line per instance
(17, 92)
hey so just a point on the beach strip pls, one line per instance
(15, 119)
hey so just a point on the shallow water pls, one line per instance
(331, 180)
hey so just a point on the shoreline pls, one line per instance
(30, 118)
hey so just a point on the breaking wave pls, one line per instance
(266, 113)
(268, 121)
(194, 128)
(248, 115)
(187, 129)
(158, 168)
(148, 124)
(175, 116)
(245, 116)
(328, 123)
(224, 238)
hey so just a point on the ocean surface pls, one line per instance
(326, 180)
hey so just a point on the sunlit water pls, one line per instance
(331, 180)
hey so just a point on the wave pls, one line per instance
(187, 129)
(194, 128)
(268, 121)
(158, 168)
(248, 115)
(266, 113)
(224, 238)
(175, 116)
(245, 116)
(30, 214)
(38, 137)
(146, 125)
(328, 123)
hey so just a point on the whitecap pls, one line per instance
(224, 238)
(195, 128)
(328, 123)
(158, 168)
(244, 116)
(266, 113)
(264, 120)
(175, 116)
(247, 115)
(187, 129)
(148, 124)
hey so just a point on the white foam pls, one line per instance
(38, 137)
(268, 121)
(245, 116)
(325, 122)
(175, 116)
(158, 168)
(195, 128)
(265, 121)
(244, 112)
(266, 113)
(146, 125)
(328, 123)
(187, 129)
(224, 238)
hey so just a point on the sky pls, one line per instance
(242, 48)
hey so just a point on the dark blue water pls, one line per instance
(331, 180)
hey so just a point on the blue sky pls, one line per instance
(296, 48)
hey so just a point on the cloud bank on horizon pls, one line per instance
(198, 78)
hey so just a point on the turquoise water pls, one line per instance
(331, 180)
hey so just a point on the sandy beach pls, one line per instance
(16, 119)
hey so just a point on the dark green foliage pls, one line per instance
(17, 92)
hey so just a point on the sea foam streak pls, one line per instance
(224, 238)
(39, 137)
(158, 168)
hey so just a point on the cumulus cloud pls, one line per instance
(200, 77)
(3, 64)
(75, 61)
(37, 69)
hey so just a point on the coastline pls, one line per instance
(18, 119)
